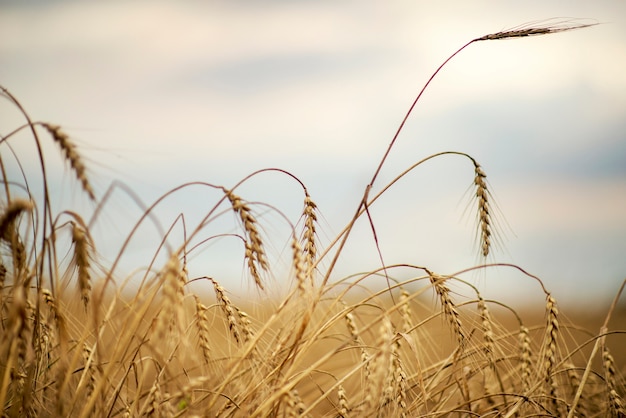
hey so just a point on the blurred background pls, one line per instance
(158, 93)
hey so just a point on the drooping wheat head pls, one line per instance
(9, 232)
(246, 325)
(450, 310)
(69, 151)
(255, 254)
(230, 311)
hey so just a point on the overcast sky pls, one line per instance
(159, 93)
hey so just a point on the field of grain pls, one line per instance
(76, 342)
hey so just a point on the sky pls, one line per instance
(159, 93)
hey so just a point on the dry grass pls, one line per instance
(429, 346)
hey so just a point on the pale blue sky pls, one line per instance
(158, 93)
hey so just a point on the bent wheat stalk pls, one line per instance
(510, 34)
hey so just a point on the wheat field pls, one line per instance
(76, 342)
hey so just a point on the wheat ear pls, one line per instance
(92, 372)
(533, 31)
(298, 266)
(255, 254)
(405, 311)
(245, 324)
(3, 276)
(399, 383)
(343, 405)
(356, 339)
(171, 316)
(550, 356)
(381, 360)
(574, 383)
(449, 308)
(202, 324)
(484, 214)
(16, 333)
(295, 406)
(487, 328)
(8, 230)
(615, 400)
(525, 357)
(83, 250)
(69, 150)
(230, 311)
(310, 218)
(10, 215)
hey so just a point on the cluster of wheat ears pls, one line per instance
(327, 347)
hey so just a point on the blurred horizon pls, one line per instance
(159, 93)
